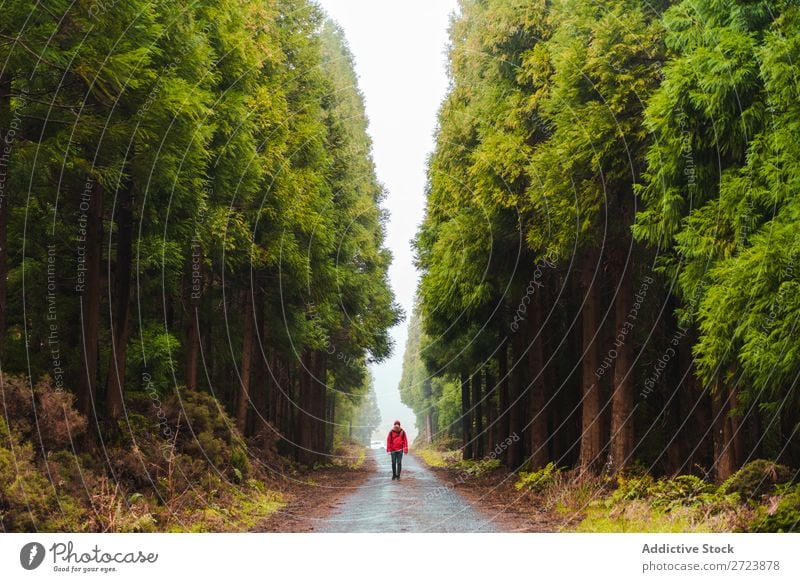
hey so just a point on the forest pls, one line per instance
(610, 244)
(193, 275)
(194, 269)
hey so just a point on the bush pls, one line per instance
(539, 480)
(58, 421)
(203, 430)
(782, 513)
(433, 457)
(177, 444)
(170, 462)
(43, 414)
(112, 512)
(682, 491)
(28, 501)
(757, 478)
(476, 468)
(632, 488)
(17, 398)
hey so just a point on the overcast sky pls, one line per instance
(399, 49)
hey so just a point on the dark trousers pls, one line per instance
(397, 462)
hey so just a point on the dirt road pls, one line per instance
(418, 502)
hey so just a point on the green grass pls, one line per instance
(436, 458)
(239, 513)
(636, 517)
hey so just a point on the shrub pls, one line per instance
(176, 443)
(756, 478)
(632, 488)
(112, 512)
(573, 493)
(16, 395)
(539, 480)
(434, 457)
(476, 468)
(58, 421)
(28, 501)
(782, 513)
(681, 491)
(43, 414)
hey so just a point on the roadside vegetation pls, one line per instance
(759, 497)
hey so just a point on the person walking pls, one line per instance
(396, 445)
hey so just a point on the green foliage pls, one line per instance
(539, 480)
(28, 500)
(666, 494)
(156, 359)
(617, 137)
(757, 478)
(782, 514)
(681, 491)
(632, 488)
(478, 467)
(215, 157)
(202, 431)
(439, 457)
(719, 171)
(636, 517)
(684, 503)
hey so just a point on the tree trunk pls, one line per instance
(466, 425)
(517, 397)
(260, 379)
(5, 122)
(591, 425)
(274, 379)
(194, 295)
(321, 399)
(283, 381)
(243, 398)
(674, 435)
(120, 319)
(427, 393)
(725, 428)
(428, 426)
(491, 410)
(538, 397)
(288, 426)
(90, 297)
(735, 428)
(504, 422)
(305, 404)
(622, 429)
(789, 442)
(331, 432)
(477, 414)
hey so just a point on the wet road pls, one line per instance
(418, 502)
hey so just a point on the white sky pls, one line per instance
(399, 49)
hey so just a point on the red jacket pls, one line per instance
(397, 441)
